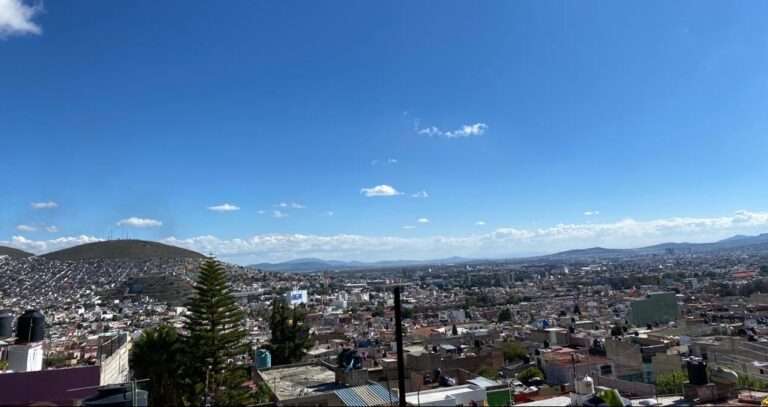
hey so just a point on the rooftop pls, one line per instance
(436, 395)
(299, 381)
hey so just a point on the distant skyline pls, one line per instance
(267, 131)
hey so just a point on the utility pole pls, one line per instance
(399, 342)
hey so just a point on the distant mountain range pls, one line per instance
(738, 242)
(140, 249)
(312, 264)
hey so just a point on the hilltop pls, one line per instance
(14, 253)
(758, 243)
(122, 249)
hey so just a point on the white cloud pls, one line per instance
(43, 205)
(422, 220)
(380, 190)
(51, 229)
(292, 205)
(591, 213)
(26, 228)
(480, 223)
(420, 194)
(501, 242)
(261, 211)
(141, 223)
(329, 213)
(16, 18)
(225, 207)
(388, 161)
(279, 214)
(467, 130)
(45, 246)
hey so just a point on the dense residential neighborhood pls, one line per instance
(533, 330)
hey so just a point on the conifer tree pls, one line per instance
(214, 338)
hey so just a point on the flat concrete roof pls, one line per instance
(435, 395)
(299, 381)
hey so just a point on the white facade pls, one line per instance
(26, 358)
(296, 297)
(448, 396)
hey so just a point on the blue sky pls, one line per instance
(512, 127)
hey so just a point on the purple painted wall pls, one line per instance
(48, 386)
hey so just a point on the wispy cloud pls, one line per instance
(380, 190)
(291, 205)
(422, 220)
(141, 223)
(279, 214)
(388, 161)
(467, 130)
(16, 18)
(261, 211)
(420, 194)
(225, 207)
(591, 213)
(43, 205)
(480, 223)
(51, 229)
(329, 213)
(408, 227)
(26, 228)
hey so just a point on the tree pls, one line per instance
(528, 374)
(670, 383)
(290, 336)
(214, 339)
(611, 398)
(454, 330)
(488, 373)
(505, 315)
(155, 356)
(751, 383)
(513, 351)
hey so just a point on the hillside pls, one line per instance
(14, 253)
(122, 249)
(757, 243)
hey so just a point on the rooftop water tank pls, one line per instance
(30, 327)
(585, 386)
(263, 359)
(6, 323)
(697, 371)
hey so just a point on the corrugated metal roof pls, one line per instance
(368, 395)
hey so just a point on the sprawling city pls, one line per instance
(287, 203)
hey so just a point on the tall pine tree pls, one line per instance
(214, 338)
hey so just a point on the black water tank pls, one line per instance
(6, 323)
(697, 372)
(30, 327)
